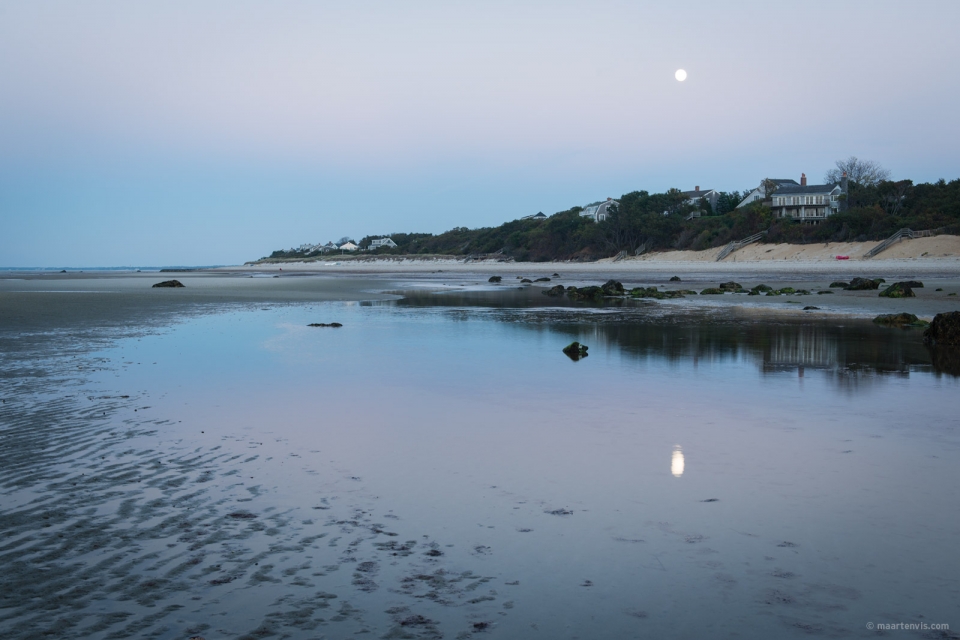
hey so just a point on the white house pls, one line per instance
(540, 215)
(599, 211)
(810, 204)
(386, 243)
(348, 246)
(766, 189)
(328, 247)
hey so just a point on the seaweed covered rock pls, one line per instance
(173, 284)
(811, 308)
(898, 290)
(913, 284)
(554, 291)
(839, 285)
(575, 351)
(335, 325)
(944, 330)
(495, 279)
(525, 280)
(899, 320)
(585, 293)
(612, 288)
(863, 284)
(675, 279)
(711, 291)
(542, 280)
(653, 292)
(731, 286)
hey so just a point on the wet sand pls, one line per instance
(160, 483)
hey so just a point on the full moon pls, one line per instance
(680, 75)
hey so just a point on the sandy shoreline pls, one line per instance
(934, 256)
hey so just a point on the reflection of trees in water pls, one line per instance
(852, 354)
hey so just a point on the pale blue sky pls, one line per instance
(214, 132)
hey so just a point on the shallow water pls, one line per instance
(437, 467)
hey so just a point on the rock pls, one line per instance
(63, 270)
(731, 286)
(762, 287)
(944, 330)
(839, 285)
(542, 280)
(675, 279)
(575, 351)
(556, 275)
(495, 279)
(899, 320)
(937, 289)
(913, 284)
(711, 291)
(321, 324)
(612, 288)
(811, 308)
(820, 293)
(585, 293)
(863, 284)
(168, 283)
(554, 291)
(898, 290)
(653, 292)
(522, 281)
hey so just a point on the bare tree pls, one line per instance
(866, 173)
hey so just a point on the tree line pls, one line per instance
(875, 207)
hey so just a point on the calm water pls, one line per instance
(437, 467)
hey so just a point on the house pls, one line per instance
(766, 189)
(599, 211)
(809, 204)
(327, 248)
(385, 243)
(348, 246)
(536, 216)
(693, 197)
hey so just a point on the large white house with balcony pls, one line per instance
(810, 204)
(385, 243)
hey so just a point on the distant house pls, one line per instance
(540, 215)
(348, 246)
(599, 211)
(694, 197)
(327, 248)
(386, 243)
(766, 189)
(809, 204)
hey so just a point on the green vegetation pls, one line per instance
(659, 222)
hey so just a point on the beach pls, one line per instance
(199, 462)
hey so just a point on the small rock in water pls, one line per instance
(168, 283)
(675, 279)
(321, 324)
(898, 290)
(555, 291)
(863, 284)
(899, 320)
(542, 280)
(811, 308)
(495, 279)
(525, 280)
(575, 351)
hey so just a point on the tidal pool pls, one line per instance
(437, 467)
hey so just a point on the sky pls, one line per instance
(200, 133)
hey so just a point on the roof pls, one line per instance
(810, 189)
(783, 181)
(696, 194)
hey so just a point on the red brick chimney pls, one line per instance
(803, 179)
